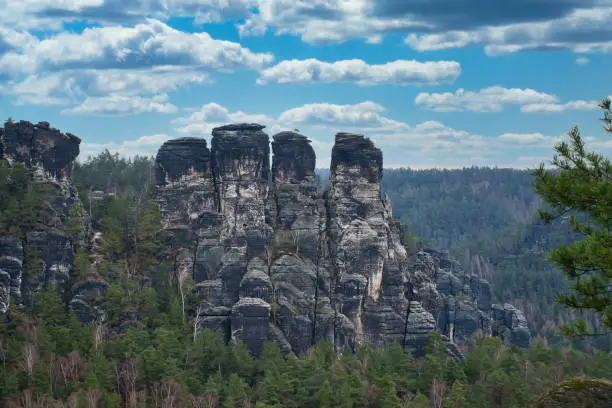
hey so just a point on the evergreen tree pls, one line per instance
(581, 189)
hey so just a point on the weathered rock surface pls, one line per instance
(83, 302)
(510, 323)
(274, 258)
(49, 154)
(579, 393)
(467, 307)
(11, 269)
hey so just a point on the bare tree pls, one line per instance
(127, 374)
(92, 397)
(437, 393)
(182, 272)
(100, 334)
(29, 357)
(196, 323)
(166, 394)
(67, 370)
(26, 400)
(211, 401)
(73, 401)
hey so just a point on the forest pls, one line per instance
(147, 353)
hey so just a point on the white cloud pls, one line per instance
(11, 39)
(400, 72)
(523, 139)
(71, 86)
(579, 25)
(582, 30)
(491, 99)
(559, 107)
(202, 121)
(122, 105)
(51, 14)
(146, 45)
(365, 115)
(105, 64)
(582, 61)
(423, 145)
(143, 146)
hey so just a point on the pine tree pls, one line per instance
(580, 189)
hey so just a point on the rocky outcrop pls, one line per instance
(579, 393)
(49, 155)
(510, 324)
(369, 261)
(40, 147)
(467, 307)
(11, 270)
(274, 258)
(84, 299)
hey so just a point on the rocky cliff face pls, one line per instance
(49, 155)
(467, 305)
(274, 258)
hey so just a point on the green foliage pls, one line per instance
(81, 266)
(581, 190)
(23, 203)
(146, 352)
(74, 226)
(113, 174)
(487, 219)
(158, 353)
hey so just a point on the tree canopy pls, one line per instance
(579, 190)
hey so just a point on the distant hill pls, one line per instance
(486, 218)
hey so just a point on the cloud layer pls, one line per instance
(400, 72)
(495, 98)
(102, 66)
(501, 27)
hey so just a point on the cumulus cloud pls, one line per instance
(51, 14)
(202, 121)
(579, 25)
(146, 45)
(559, 107)
(580, 30)
(400, 72)
(143, 146)
(122, 105)
(108, 64)
(11, 40)
(491, 99)
(70, 86)
(523, 139)
(422, 145)
(365, 116)
(321, 121)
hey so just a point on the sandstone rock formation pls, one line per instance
(49, 154)
(467, 306)
(274, 258)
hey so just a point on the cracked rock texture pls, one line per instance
(49, 154)
(274, 258)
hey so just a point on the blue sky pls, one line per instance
(435, 83)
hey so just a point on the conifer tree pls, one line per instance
(580, 190)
